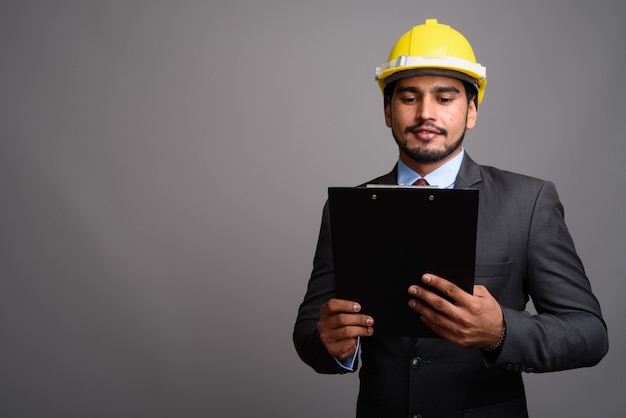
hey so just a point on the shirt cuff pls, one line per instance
(348, 364)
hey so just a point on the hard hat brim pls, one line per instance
(406, 66)
(440, 72)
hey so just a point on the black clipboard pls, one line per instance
(385, 237)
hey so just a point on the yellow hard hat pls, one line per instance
(434, 49)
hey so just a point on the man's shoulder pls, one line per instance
(490, 173)
(513, 185)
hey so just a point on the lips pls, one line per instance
(425, 133)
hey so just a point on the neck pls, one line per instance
(423, 168)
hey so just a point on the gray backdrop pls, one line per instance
(163, 166)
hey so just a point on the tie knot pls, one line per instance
(420, 182)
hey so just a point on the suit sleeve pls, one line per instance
(320, 289)
(568, 330)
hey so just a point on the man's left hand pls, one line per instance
(472, 321)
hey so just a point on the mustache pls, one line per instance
(424, 124)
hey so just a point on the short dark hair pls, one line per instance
(471, 92)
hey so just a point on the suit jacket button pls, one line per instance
(416, 363)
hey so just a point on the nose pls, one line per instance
(426, 109)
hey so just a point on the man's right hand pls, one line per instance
(340, 325)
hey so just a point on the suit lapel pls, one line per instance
(389, 178)
(469, 174)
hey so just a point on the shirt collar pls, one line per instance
(443, 177)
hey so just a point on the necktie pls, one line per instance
(420, 182)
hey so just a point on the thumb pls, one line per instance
(480, 290)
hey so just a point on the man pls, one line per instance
(432, 86)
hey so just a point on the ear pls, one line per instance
(472, 114)
(388, 112)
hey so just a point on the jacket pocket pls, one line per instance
(515, 408)
(487, 270)
(493, 275)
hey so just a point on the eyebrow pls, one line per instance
(436, 89)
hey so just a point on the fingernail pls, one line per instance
(356, 307)
(369, 321)
(426, 278)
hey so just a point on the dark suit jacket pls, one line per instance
(523, 250)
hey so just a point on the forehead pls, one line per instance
(429, 82)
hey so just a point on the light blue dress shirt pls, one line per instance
(443, 177)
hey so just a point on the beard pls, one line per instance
(421, 155)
